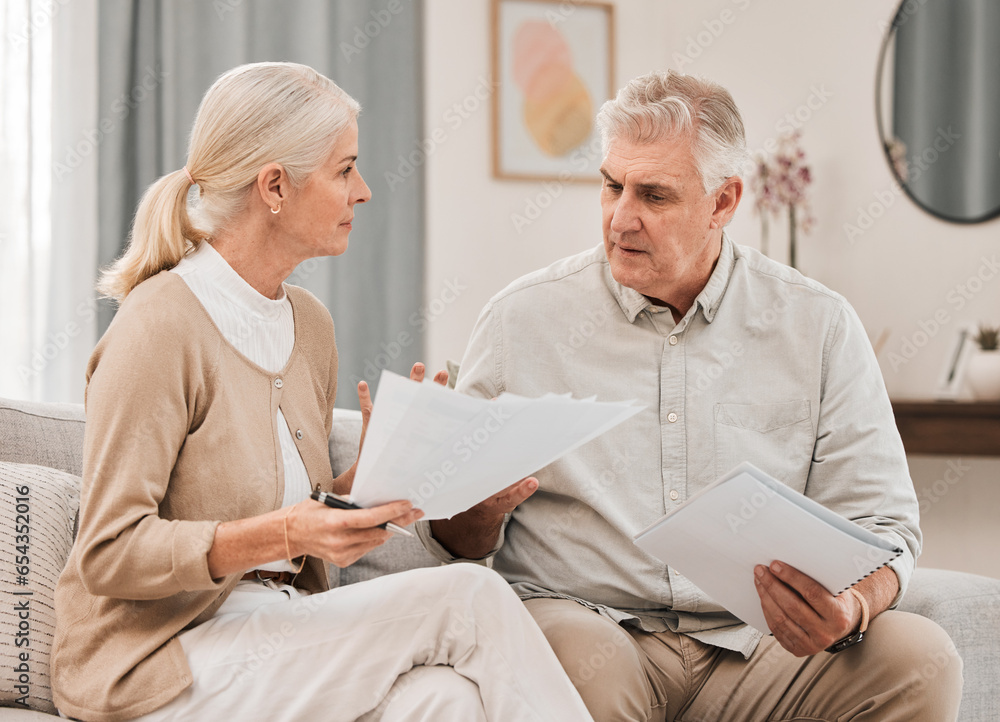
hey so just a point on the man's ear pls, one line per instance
(727, 198)
(273, 185)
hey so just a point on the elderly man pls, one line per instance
(737, 358)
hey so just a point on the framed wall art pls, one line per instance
(554, 66)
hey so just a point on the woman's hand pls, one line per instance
(309, 527)
(343, 536)
(343, 483)
(365, 396)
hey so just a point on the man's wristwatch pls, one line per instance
(852, 639)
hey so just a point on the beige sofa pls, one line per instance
(50, 437)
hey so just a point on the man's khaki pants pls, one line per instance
(905, 669)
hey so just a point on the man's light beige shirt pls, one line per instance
(767, 366)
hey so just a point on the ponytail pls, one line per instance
(162, 233)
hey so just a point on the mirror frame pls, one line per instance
(880, 68)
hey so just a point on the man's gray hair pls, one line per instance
(660, 105)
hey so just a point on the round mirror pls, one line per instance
(938, 105)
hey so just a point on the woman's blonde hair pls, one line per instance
(252, 115)
(658, 105)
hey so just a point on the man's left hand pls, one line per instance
(803, 616)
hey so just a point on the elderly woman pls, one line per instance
(197, 588)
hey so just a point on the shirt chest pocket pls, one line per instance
(777, 438)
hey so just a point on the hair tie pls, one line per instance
(188, 174)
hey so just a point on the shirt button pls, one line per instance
(671, 417)
(673, 340)
(278, 383)
(298, 434)
(674, 494)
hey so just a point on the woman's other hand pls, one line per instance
(343, 483)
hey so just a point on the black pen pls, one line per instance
(340, 502)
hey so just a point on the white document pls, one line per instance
(446, 452)
(747, 518)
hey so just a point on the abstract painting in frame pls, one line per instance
(554, 65)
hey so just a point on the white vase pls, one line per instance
(983, 375)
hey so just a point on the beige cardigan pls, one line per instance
(180, 435)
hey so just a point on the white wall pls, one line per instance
(777, 58)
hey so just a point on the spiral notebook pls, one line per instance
(746, 518)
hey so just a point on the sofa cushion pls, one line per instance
(967, 607)
(396, 555)
(42, 433)
(37, 509)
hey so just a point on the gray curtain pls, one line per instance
(157, 58)
(946, 104)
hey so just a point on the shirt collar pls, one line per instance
(711, 295)
(210, 262)
(632, 303)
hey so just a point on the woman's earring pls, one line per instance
(275, 210)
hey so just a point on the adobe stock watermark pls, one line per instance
(725, 359)
(462, 452)
(792, 121)
(58, 341)
(906, 11)
(535, 204)
(42, 14)
(883, 199)
(371, 29)
(459, 625)
(957, 298)
(562, 13)
(930, 496)
(750, 506)
(120, 109)
(224, 7)
(604, 652)
(272, 643)
(417, 324)
(936, 663)
(452, 119)
(581, 333)
(703, 39)
(721, 362)
(594, 494)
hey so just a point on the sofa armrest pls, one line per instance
(44, 434)
(967, 607)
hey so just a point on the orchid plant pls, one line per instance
(779, 183)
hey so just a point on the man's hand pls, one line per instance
(803, 616)
(473, 533)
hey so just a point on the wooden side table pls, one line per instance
(949, 427)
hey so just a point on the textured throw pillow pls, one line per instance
(38, 506)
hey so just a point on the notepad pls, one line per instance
(747, 518)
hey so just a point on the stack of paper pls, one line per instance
(746, 518)
(447, 452)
